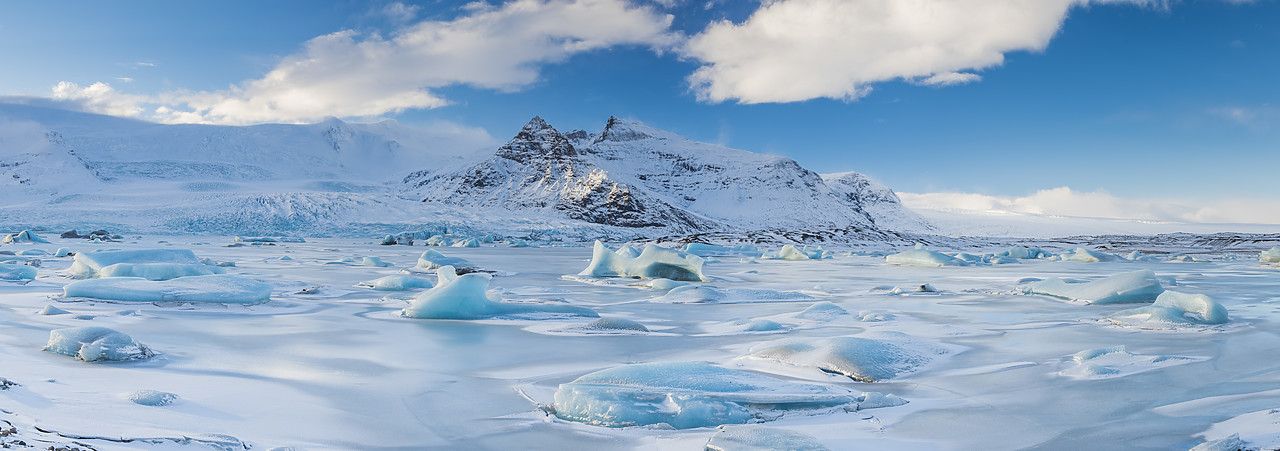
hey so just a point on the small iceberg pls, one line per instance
(608, 326)
(1270, 256)
(465, 297)
(1020, 252)
(96, 344)
(10, 271)
(1136, 286)
(374, 261)
(397, 283)
(652, 263)
(687, 395)
(435, 260)
(712, 250)
(151, 264)
(1173, 310)
(790, 252)
(822, 311)
(923, 257)
(861, 359)
(1083, 255)
(221, 288)
(23, 237)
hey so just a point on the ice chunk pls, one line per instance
(158, 271)
(10, 271)
(652, 263)
(448, 240)
(1105, 363)
(709, 250)
(397, 283)
(861, 359)
(688, 395)
(91, 264)
(822, 311)
(435, 260)
(661, 284)
(224, 288)
(94, 344)
(374, 261)
(614, 324)
(152, 398)
(790, 252)
(50, 310)
(468, 242)
(25, 236)
(923, 257)
(1230, 443)
(760, 438)
(33, 253)
(1083, 255)
(1024, 252)
(1173, 309)
(1270, 256)
(1136, 286)
(62, 252)
(464, 297)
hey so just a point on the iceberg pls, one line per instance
(687, 395)
(223, 288)
(1270, 256)
(152, 264)
(790, 252)
(712, 250)
(861, 359)
(923, 257)
(25, 236)
(62, 252)
(435, 260)
(96, 344)
(374, 261)
(1021, 252)
(1083, 255)
(396, 283)
(653, 262)
(10, 271)
(50, 310)
(1136, 286)
(464, 297)
(1173, 309)
(661, 284)
(760, 438)
(469, 242)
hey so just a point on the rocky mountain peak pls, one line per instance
(621, 130)
(538, 142)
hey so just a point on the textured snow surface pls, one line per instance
(328, 364)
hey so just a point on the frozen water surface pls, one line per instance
(326, 365)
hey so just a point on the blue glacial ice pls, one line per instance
(1136, 286)
(1270, 256)
(861, 359)
(790, 252)
(151, 264)
(95, 344)
(759, 438)
(465, 297)
(1083, 255)
(221, 288)
(1021, 252)
(11, 271)
(923, 257)
(397, 282)
(687, 395)
(1172, 310)
(652, 263)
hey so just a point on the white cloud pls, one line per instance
(795, 50)
(98, 98)
(951, 79)
(1064, 201)
(400, 12)
(347, 74)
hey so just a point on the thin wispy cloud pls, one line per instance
(1064, 201)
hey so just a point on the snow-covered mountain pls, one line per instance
(632, 175)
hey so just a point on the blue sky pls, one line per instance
(1174, 102)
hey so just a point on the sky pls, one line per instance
(1144, 109)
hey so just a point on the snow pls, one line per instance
(760, 438)
(96, 344)
(1173, 309)
(11, 271)
(923, 257)
(654, 262)
(1136, 286)
(686, 395)
(1114, 362)
(374, 261)
(861, 359)
(219, 288)
(397, 282)
(464, 297)
(152, 398)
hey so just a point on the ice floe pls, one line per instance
(861, 359)
(220, 288)
(706, 294)
(96, 344)
(397, 282)
(790, 252)
(1270, 256)
(652, 263)
(11, 271)
(152, 264)
(923, 257)
(686, 395)
(1106, 363)
(152, 398)
(1083, 255)
(1021, 252)
(761, 438)
(431, 259)
(1173, 310)
(1251, 431)
(465, 297)
(1136, 286)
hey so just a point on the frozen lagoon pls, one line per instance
(337, 367)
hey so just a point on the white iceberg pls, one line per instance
(661, 284)
(652, 263)
(1173, 309)
(760, 438)
(1136, 286)
(10, 271)
(1270, 256)
(397, 283)
(1021, 252)
(50, 310)
(923, 257)
(790, 252)
(96, 344)
(710, 250)
(374, 261)
(435, 260)
(1083, 255)
(222, 288)
(469, 242)
(861, 359)
(25, 236)
(686, 395)
(152, 264)
(465, 297)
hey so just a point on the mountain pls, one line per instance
(636, 176)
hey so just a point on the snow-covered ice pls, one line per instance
(432, 259)
(1129, 287)
(223, 288)
(25, 236)
(96, 344)
(152, 264)
(397, 282)
(861, 359)
(652, 263)
(13, 271)
(465, 297)
(761, 438)
(1172, 310)
(923, 257)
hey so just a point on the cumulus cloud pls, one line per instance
(795, 50)
(349, 74)
(1064, 201)
(98, 98)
